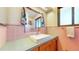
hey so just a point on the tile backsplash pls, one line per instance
(17, 32)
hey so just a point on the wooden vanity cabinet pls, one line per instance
(48, 46)
(35, 49)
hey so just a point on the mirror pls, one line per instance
(31, 19)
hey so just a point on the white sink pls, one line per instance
(39, 37)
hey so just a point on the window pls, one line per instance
(66, 16)
(76, 15)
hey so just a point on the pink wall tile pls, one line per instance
(17, 32)
(3, 35)
(69, 43)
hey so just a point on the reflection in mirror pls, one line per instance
(39, 22)
(31, 20)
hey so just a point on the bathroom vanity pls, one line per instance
(50, 45)
(28, 44)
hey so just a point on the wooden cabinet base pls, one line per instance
(35, 49)
(48, 46)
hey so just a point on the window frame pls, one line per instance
(73, 17)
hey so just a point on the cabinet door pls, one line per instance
(45, 47)
(53, 44)
(49, 46)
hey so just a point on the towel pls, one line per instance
(70, 31)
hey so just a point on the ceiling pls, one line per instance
(46, 9)
(33, 14)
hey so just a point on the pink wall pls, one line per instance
(17, 32)
(3, 35)
(66, 43)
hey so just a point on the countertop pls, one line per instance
(25, 44)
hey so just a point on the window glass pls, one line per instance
(66, 16)
(76, 15)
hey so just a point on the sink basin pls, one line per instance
(39, 37)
